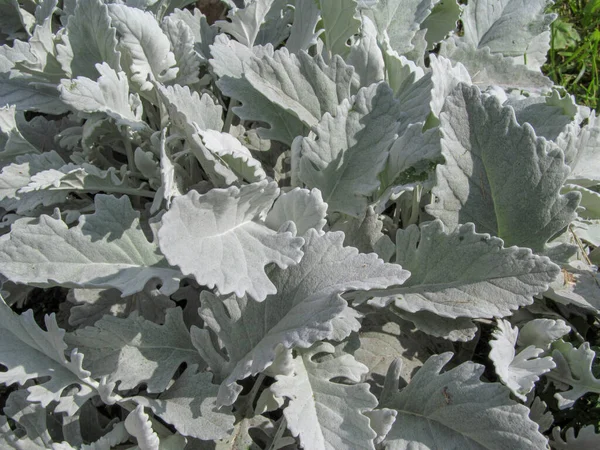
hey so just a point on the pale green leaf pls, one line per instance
(462, 273)
(134, 350)
(442, 21)
(190, 406)
(89, 40)
(340, 23)
(457, 410)
(350, 149)
(106, 249)
(498, 174)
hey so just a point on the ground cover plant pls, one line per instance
(315, 224)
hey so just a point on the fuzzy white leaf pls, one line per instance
(465, 274)
(109, 95)
(217, 238)
(350, 149)
(300, 84)
(515, 197)
(298, 315)
(15, 177)
(144, 46)
(573, 368)
(204, 34)
(518, 372)
(29, 353)
(366, 56)
(302, 33)
(139, 426)
(228, 63)
(303, 207)
(326, 414)
(182, 44)
(190, 406)
(91, 40)
(542, 332)
(399, 20)
(513, 28)
(245, 23)
(488, 69)
(237, 157)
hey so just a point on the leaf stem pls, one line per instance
(229, 117)
(280, 430)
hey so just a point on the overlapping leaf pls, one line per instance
(29, 353)
(498, 174)
(350, 149)
(326, 414)
(298, 315)
(106, 249)
(457, 409)
(134, 350)
(217, 238)
(462, 273)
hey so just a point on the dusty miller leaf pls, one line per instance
(498, 174)
(28, 352)
(134, 350)
(298, 315)
(106, 249)
(456, 408)
(459, 274)
(326, 414)
(217, 238)
(518, 371)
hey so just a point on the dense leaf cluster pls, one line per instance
(303, 226)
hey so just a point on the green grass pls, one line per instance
(574, 58)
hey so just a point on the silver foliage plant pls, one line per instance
(296, 227)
